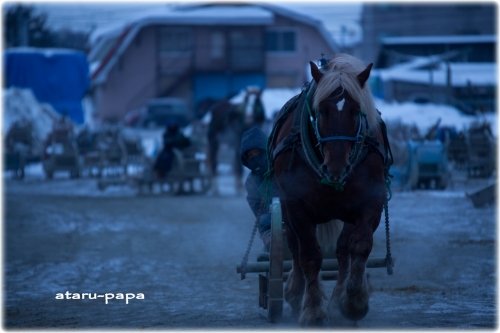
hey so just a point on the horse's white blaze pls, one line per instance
(340, 104)
(250, 104)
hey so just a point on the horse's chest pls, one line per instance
(333, 207)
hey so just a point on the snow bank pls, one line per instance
(21, 104)
(425, 115)
(422, 115)
(461, 74)
(272, 98)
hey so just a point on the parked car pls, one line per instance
(160, 112)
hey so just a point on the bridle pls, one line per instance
(356, 152)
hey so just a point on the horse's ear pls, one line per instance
(363, 76)
(315, 72)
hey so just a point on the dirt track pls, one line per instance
(181, 252)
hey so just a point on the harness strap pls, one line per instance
(340, 138)
(288, 142)
(307, 146)
(358, 138)
(285, 111)
(389, 159)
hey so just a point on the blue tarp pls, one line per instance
(56, 76)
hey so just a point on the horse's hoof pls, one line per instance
(332, 307)
(294, 303)
(313, 318)
(294, 294)
(353, 309)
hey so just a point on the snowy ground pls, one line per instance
(181, 252)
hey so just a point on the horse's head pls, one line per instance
(342, 109)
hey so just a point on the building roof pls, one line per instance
(461, 74)
(110, 42)
(459, 39)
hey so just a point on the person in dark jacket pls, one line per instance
(172, 138)
(259, 189)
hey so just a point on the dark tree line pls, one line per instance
(23, 26)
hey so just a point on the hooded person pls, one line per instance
(253, 152)
(173, 138)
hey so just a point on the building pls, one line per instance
(383, 23)
(202, 52)
(454, 48)
(439, 53)
(468, 86)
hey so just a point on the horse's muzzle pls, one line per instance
(330, 176)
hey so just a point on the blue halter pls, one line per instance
(357, 138)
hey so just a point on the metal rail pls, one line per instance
(327, 265)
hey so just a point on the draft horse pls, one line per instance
(226, 124)
(329, 155)
(228, 121)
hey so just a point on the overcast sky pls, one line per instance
(85, 16)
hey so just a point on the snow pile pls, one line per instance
(460, 74)
(272, 98)
(425, 116)
(21, 104)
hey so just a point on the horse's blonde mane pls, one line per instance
(343, 71)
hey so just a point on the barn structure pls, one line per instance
(200, 52)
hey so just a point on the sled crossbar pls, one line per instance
(327, 265)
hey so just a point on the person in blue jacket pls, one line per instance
(260, 190)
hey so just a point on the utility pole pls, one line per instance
(449, 86)
(431, 82)
(23, 18)
(343, 32)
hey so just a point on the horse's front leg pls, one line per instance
(310, 259)
(354, 298)
(295, 283)
(343, 259)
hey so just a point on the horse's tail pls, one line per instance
(327, 235)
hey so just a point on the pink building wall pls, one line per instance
(289, 68)
(143, 73)
(131, 80)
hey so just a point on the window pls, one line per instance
(246, 49)
(175, 39)
(281, 41)
(218, 45)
